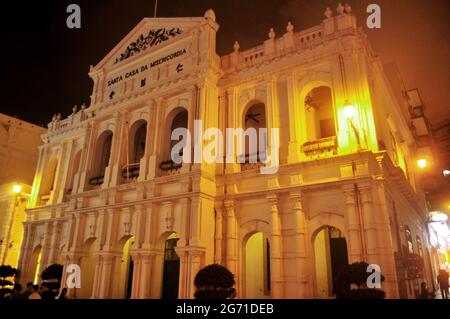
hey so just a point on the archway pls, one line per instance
(171, 268)
(320, 117)
(87, 269)
(123, 270)
(330, 251)
(48, 179)
(257, 266)
(102, 155)
(75, 166)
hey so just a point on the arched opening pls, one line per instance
(87, 269)
(177, 119)
(101, 159)
(136, 149)
(257, 266)
(75, 167)
(48, 179)
(123, 270)
(171, 268)
(35, 264)
(330, 251)
(255, 141)
(320, 121)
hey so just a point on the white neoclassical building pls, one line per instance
(108, 197)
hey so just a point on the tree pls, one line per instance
(214, 282)
(6, 272)
(356, 274)
(51, 276)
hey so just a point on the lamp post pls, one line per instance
(349, 114)
(17, 188)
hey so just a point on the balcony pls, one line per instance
(325, 146)
(252, 161)
(131, 171)
(96, 181)
(170, 167)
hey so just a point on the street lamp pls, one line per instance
(349, 114)
(422, 163)
(17, 188)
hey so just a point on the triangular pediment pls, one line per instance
(148, 35)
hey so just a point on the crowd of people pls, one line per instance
(212, 282)
(35, 292)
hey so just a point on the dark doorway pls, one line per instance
(338, 253)
(171, 270)
(130, 278)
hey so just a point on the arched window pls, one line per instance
(48, 179)
(320, 121)
(255, 141)
(75, 167)
(136, 149)
(178, 119)
(101, 159)
(320, 113)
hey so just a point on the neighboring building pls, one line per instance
(107, 196)
(19, 141)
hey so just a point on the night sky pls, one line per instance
(45, 64)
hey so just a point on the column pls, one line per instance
(231, 237)
(146, 276)
(294, 147)
(301, 261)
(46, 246)
(369, 227)
(107, 270)
(275, 249)
(353, 226)
(218, 235)
(54, 248)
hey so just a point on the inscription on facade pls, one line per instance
(146, 67)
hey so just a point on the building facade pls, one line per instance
(19, 141)
(108, 197)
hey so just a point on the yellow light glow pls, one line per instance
(17, 188)
(349, 111)
(422, 163)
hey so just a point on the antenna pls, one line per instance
(156, 8)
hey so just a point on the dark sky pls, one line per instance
(45, 64)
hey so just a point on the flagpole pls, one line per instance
(156, 7)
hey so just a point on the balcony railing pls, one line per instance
(327, 145)
(131, 171)
(95, 181)
(251, 161)
(170, 167)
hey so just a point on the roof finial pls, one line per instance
(236, 46)
(289, 27)
(347, 8)
(340, 8)
(271, 34)
(210, 14)
(328, 13)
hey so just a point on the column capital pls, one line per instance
(272, 199)
(229, 204)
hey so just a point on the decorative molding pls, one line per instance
(154, 37)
